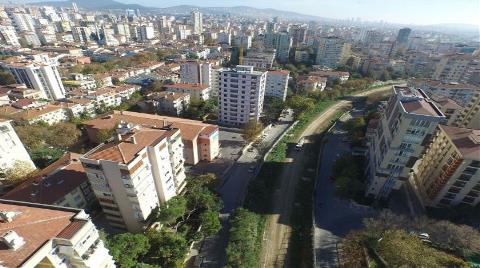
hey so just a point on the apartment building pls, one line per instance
(168, 102)
(63, 183)
(332, 52)
(37, 235)
(8, 36)
(456, 68)
(196, 91)
(194, 72)
(262, 60)
(40, 73)
(398, 138)
(241, 95)
(277, 84)
(448, 173)
(461, 93)
(201, 141)
(11, 148)
(469, 116)
(137, 171)
(448, 107)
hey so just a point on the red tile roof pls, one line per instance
(36, 225)
(62, 177)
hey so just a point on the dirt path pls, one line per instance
(277, 231)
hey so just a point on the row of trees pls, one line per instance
(184, 219)
(119, 63)
(245, 240)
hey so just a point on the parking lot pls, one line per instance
(231, 145)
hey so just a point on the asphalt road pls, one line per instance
(233, 190)
(334, 217)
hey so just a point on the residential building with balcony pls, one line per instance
(398, 138)
(201, 140)
(37, 235)
(135, 172)
(241, 94)
(448, 173)
(40, 73)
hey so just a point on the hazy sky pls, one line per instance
(400, 11)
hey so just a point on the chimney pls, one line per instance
(134, 140)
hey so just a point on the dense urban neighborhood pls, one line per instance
(211, 137)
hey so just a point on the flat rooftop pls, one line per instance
(467, 141)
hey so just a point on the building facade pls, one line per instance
(137, 171)
(11, 147)
(397, 139)
(277, 84)
(448, 173)
(332, 52)
(41, 74)
(241, 93)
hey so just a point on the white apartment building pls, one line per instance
(41, 74)
(145, 33)
(194, 72)
(8, 36)
(259, 60)
(332, 52)
(22, 22)
(197, 21)
(36, 235)
(241, 94)
(196, 91)
(131, 175)
(11, 148)
(397, 139)
(277, 84)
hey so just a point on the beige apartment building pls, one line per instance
(200, 140)
(398, 138)
(137, 171)
(35, 235)
(448, 173)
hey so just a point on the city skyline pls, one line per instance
(373, 10)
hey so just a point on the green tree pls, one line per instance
(244, 243)
(126, 249)
(272, 108)
(251, 130)
(32, 136)
(172, 210)
(63, 135)
(104, 134)
(167, 249)
(300, 104)
(19, 171)
(6, 78)
(210, 223)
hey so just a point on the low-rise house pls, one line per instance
(169, 102)
(63, 183)
(314, 83)
(196, 91)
